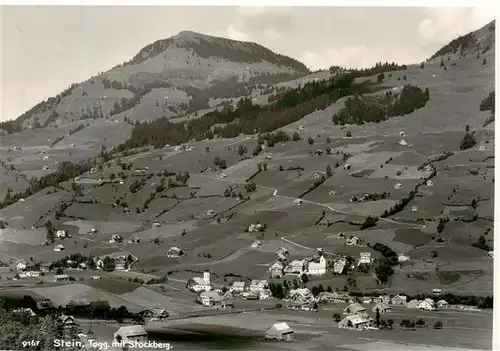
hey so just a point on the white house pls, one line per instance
(61, 233)
(402, 142)
(403, 258)
(29, 311)
(258, 285)
(297, 202)
(365, 258)
(352, 241)
(279, 331)
(398, 300)
(429, 183)
(276, 270)
(21, 266)
(156, 225)
(129, 334)
(115, 238)
(317, 268)
(174, 252)
(198, 284)
(59, 248)
(252, 228)
(33, 273)
(209, 298)
(413, 304)
(490, 254)
(427, 304)
(296, 267)
(356, 322)
(398, 186)
(61, 278)
(282, 254)
(256, 244)
(414, 208)
(237, 287)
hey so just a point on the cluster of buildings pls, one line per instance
(316, 265)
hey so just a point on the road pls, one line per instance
(275, 194)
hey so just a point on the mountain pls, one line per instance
(170, 77)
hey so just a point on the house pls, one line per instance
(59, 248)
(45, 158)
(402, 142)
(338, 265)
(317, 253)
(253, 228)
(403, 258)
(398, 300)
(256, 244)
(437, 291)
(58, 278)
(134, 240)
(414, 208)
(317, 268)
(297, 202)
(154, 314)
(413, 304)
(177, 148)
(198, 284)
(276, 270)
(67, 321)
(347, 166)
(45, 267)
(383, 299)
(382, 307)
(33, 273)
(226, 304)
(442, 304)
(490, 254)
(427, 305)
(115, 238)
(21, 201)
(332, 297)
(367, 300)
(402, 134)
(175, 252)
(257, 285)
(365, 258)
(20, 266)
(279, 331)
(265, 294)
(429, 183)
(156, 225)
(249, 295)
(130, 334)
(356, 322)
(354, 308)
(92, 231)
(121, 264)
(301, 295)
(237, 287)
(353, 240)
(398, 186)
(45, 168)
(209, 298)
(61, 234)
(210, 213)
(296, 267)
(282, 254)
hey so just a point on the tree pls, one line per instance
(484, 61)
(348, 134)
(108, 264)
(112, 176)
(438, 325)
(315, 306)
(336, 317)
(422, 65)
(264, 166)
(257, 150)
(467, 128)
(377, 318)
(50, 231)
(441, 63)
(304, 278)
(380, 77)
(310, 140)
(250, 187)
(259, 167)
(329, 171)
(242, 150)
(468, 141)
(295, 136)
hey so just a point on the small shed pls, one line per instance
(382, 308)
(279, 331)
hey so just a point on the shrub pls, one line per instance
(438, 325)
(467, 142)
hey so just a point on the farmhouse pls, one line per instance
(20, 266)
(21, 201)
(398, 186)
(383, 299)
(154, 314)
(490, 254)
(156, 225)
(67, 321)
(365, 258)
(332, 297)
(175, 252)
(354, 308)
(256, 244)
(356, 322)
(317, 268)
(237, 287)
(301, 295)
(297, 202)
(33, 273)
(398, 300)
(296, 267)
(59, 248)
(427, 305)
(413, 304)
(265, 294)
(61, 234)
(276, 270)
(429, 183)
(367, 300)
(210, 213)
(132, 333)
(437, 291)
(115, 238)
(258, 285)
(282, 254)
(382, 308)
(279, 331)
(198, 284)
(353, 240)
(61, 278)
(253, 228)
(209, 298)
(442, 304)
(29, 311)
(403, 258)
(134, 240)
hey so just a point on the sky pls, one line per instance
(47, 48)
